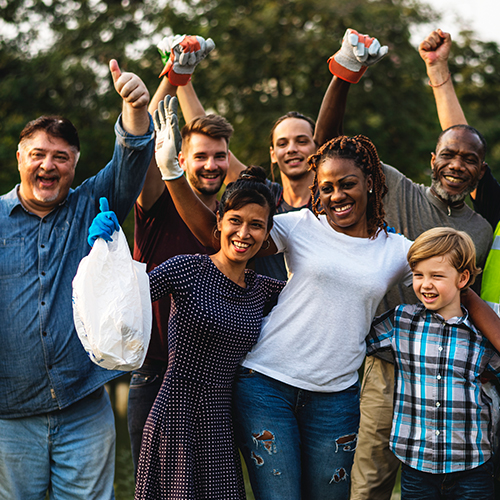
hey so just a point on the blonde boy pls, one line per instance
(441, 427)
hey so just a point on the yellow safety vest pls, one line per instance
(490, 286)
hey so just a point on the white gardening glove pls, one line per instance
(168, 139)
(181, 54)
(355, 55)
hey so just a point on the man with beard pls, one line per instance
(457, 166)
(57, 431)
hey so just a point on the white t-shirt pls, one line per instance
(314, 338)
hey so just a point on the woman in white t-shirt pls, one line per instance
(296, 400)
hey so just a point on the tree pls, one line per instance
(475, 68)
(271, 57)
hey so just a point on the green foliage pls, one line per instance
(286, 45)
(475, 68)
(270, 58)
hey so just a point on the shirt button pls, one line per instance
(438, 404)
(43, 273)
(50, 367)
(43, 303)
(437, 433)
(440, 348)
(42, 245)
(44, 334)
(439, 377)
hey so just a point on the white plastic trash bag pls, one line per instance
(112, 305)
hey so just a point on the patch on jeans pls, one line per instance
(340, 475)
(348, 442)
(266, 439)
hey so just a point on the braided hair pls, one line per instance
(362, 151)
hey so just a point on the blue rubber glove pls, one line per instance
(104, 224)
(389, 229)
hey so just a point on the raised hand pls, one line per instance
(355, 55)
(168, 139)
(130, 87)
(435, 48)
(181, 54)
(104, 224)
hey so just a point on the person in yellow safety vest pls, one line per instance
(490, 287)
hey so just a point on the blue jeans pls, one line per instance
(70, 453)
(473, 484)
(297, 444)
(144, 386)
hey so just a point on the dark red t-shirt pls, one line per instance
(160, 234)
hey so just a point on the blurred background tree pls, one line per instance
(270, 58)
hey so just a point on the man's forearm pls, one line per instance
(165, 88)
(135, 121)
(483, 317)
(448, 107)
(197, 216)
(331, 113)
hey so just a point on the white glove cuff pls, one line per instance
(172, 172)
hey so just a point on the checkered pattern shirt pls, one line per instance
(441, 419)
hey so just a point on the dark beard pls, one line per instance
(198, 187)
(208, 192)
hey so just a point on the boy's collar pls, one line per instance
(456, 320)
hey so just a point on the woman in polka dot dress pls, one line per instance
(188, 449)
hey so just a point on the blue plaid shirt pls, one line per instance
(43, 365)
(442, 418)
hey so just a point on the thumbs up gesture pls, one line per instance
(130, 87)
(135, 95)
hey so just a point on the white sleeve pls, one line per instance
(408, 277)
(283, 226)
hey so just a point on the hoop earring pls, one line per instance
(216, 233)
(268, 244)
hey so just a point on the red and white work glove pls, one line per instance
(181, 54)
(355, 55)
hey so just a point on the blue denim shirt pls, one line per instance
(43, 366)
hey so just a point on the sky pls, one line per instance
(482, 16)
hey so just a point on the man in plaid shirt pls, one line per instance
(441, 427)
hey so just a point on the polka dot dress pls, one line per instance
(188, 449)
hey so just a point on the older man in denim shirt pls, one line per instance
(56, 424)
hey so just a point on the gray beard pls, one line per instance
(451, 198)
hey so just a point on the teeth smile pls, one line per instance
(44, 180)
(455, 180)
(342, 209)
(429, 295)
(239, 244)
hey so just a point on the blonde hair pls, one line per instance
(457, 246)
